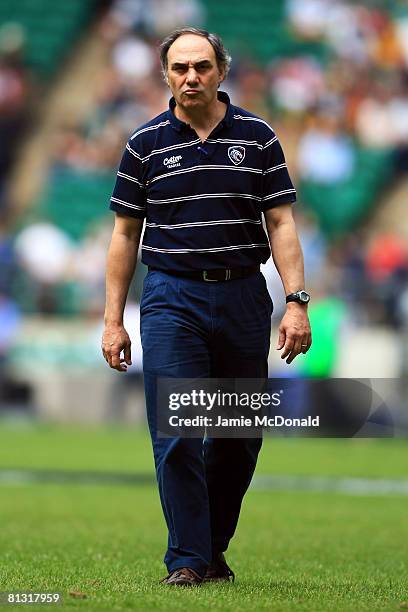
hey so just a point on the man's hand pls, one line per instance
(115, 339)
(294, 332)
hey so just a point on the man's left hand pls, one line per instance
(295, 335)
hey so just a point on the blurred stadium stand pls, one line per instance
(50, 28)
(331, 78)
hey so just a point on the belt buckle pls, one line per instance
(214, 280)
(208, 280)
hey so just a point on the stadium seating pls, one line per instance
(265, 36)
(341, 206)
(74, 201)
(50, 28)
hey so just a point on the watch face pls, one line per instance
(304, 297)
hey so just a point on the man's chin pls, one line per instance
(192, 102)
(195, 98)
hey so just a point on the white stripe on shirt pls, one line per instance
(128, 204)
(130, 178)
(271, 141)
(133, 152)
(278, 193)
(204, 167)
(151, 127)
(212, 250)
(279, 167)
(203, 223)
(171, 148)
(242, 118)
(236, 141)
(205, 196)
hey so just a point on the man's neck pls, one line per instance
(202, 119)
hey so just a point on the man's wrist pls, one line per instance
(295, 306)
(109, 322)
(300, 297)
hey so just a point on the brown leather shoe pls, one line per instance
(184, 576)
(218, 570)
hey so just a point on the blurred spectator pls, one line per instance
(314, 246)
(387, 269)
(44, 251)
(165, 15)
(10, 318)
(8, 261)
(45, 256)
(348, 30)
(308, 17)
(348, 257)
(387, 255)
(382, 117)
(251, 88)
(124, 55)
(13, 95)
(401, 32)
(325, 154)
(88, 266)
(297, 84)
(151, 17)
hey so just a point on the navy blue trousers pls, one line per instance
(190, 329)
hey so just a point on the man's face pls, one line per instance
(192, 74)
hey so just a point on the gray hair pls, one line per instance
(222, 56)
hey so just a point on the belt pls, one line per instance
(213, 276)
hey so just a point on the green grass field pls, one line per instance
(294, 550)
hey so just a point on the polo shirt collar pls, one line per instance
(179, 125)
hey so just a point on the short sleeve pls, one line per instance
(277, 185)
(129, 193)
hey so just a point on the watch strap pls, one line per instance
(297, 297)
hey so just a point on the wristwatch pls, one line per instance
(301, 297)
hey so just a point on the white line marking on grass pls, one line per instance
(15, 476)
(330, 484)
(261, 482)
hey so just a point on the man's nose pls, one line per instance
(191, 76)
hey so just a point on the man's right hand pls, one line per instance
(115, 339)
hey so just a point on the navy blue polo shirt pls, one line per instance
(203, 202)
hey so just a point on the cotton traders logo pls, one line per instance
(173, 161)
(236, 154)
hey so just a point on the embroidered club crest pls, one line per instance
(236, 154)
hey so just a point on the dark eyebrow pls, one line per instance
(200, 64)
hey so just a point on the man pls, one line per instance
(202, 173)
